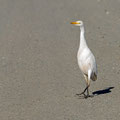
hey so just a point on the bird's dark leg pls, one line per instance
(88, 95)
(88, 83)
(83, 93)
(87, 91)
(87, 88)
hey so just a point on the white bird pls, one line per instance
(86, 60)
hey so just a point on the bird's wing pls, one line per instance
(88, 62)
(93, 67)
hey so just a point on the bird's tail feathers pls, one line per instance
(93, 76)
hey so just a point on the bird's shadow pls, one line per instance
(104, 91)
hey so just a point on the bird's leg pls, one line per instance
(88, 95)
(86, 78)
(88, 85)
(87, 91)
(83, 92)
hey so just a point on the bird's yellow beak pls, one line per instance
(75, 23)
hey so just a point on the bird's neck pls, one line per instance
(83, 43)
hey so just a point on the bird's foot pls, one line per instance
(83, 93)
(85, 96)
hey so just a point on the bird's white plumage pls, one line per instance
(86, 59)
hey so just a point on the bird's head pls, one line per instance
(78, 23)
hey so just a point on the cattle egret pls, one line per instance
(86, 60)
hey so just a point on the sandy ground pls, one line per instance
(39, 75)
